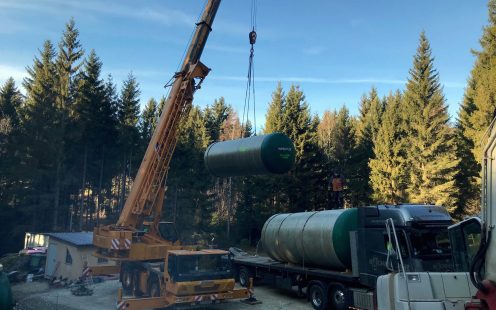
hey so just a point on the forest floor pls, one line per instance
(39, 296)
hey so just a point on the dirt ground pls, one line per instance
(39, 296)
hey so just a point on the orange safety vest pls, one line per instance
(337, 185)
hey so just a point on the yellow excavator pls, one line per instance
(155, 267)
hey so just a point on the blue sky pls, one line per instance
(335, 50)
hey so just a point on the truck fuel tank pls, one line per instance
(265, 154)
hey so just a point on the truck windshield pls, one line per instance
(430, 243)
(202, 267)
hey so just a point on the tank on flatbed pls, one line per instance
(320, 238)
(265, 154)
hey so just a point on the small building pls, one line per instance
(69, 252)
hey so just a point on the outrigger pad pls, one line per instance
(251, 301)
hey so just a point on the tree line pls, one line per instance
(70, 147)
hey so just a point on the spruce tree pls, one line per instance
(128, 116)
(11, 177)
(187, 183)
(148, 121)
(431, 139)
(389, 166)
(41, 141)
(215, 116)
(273, 118)
(367, 127)
(481, 90)
(11, 101)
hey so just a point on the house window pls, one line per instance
(102, 260)
(68, 257)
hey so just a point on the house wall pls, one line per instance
(80, 255)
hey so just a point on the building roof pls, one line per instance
(198, 252)
(74, 238)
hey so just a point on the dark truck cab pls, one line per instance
(422, 232)
(423, 237)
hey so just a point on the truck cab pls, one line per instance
(187, 277)
(422, 233)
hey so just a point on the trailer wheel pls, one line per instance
(338, 296)
(154, 288)
(127, 281)
(317, 295)
(244, 276)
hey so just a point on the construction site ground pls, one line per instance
(39, 296)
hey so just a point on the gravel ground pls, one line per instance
(39, 296)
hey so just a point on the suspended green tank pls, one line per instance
(5, 291)
(320, 238)
(266, 154)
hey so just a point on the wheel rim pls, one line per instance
(242, 278)
(316, 298)
(154, 291)
(127, 279)
(339, 298)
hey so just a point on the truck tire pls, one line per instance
(244, 276)
(317, 295)
(338, 297)
(154, 288)
(127, 281)
(136, 287)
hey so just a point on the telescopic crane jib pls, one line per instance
(136, 235)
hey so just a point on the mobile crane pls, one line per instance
(155, 267)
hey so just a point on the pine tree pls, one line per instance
(160, 107)
(296, 119)
(41, 140)
(148, 121)
(482, 88)
(187, 198)
(89, 104)
(389, 167)
(431, 139)
(70, 52)
(367, 127)
(273, 118)
(215, 116)
(67, 65)
(11, 180)
(468, 169)
(128, 116)
(11, 101)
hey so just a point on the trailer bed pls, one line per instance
(269, 264)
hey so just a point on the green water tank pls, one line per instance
(320, 238)
(266, 154)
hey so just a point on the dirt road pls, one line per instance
(38, 296)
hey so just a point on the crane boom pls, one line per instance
(146, 196)
(144, 204)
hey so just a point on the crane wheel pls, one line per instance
(127, 281)
(154, 288)
(244, 276)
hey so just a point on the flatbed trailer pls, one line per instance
(354, 287)
(323, 287)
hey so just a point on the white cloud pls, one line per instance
(7, 71)
(315, 80)
(164, 15)
(312, 80)
(313, 51)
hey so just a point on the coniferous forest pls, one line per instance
(71, 143)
